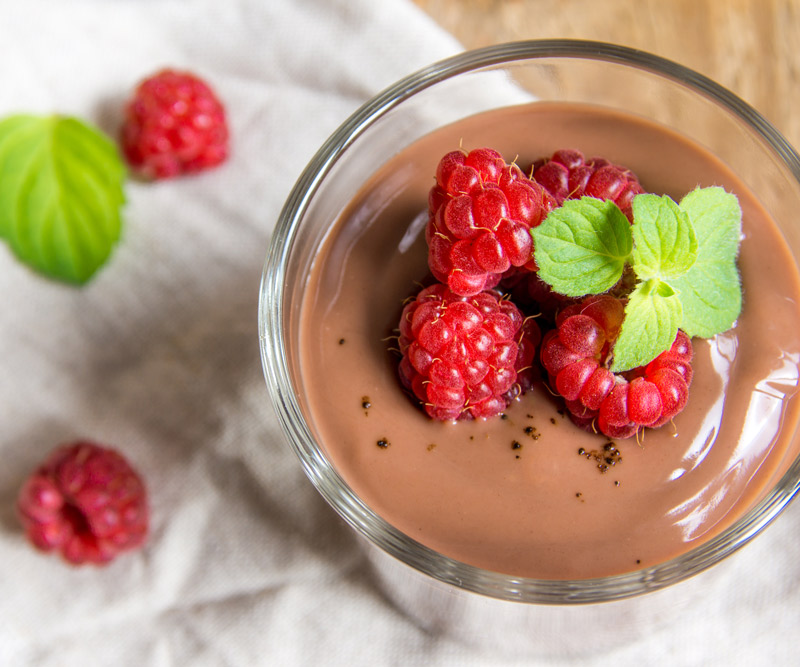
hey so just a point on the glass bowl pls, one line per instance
(445, 92)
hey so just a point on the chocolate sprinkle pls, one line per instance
(606, 458)
(531, 432)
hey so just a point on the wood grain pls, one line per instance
(751, 47)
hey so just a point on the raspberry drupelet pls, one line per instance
(465, 357)
(481, 211)
(174, 124)
(567, 174)
(85, 501)
(576, 356)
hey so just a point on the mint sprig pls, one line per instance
(61, 192)
(683, 256)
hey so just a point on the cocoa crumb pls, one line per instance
(341, 341)
(503, 415)
(383, 443)
(366, 405)
(606, 458)
(553, 421)
(431, 447)
(515, 445)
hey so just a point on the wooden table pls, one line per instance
(751, 47)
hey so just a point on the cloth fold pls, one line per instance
(158, 356)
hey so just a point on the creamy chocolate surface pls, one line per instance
(514, 494)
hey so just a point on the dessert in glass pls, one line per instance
(466, 518)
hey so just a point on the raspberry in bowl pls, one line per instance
(532, 505)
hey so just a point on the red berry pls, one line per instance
(481, 211)
(175, 124)
(576, 356)
(529, 291)
(465, 357)
(568, 175)
(86, 502)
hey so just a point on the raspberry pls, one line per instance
(568, 175)
(533, 294)
(481, 211)
(86, 502)
(465, 357)
(576, 356)
(174, 125)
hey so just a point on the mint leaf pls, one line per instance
(581, 247)
(652, 316)
(711, 291)
(61, 191)
(717, 220)
(665, 244)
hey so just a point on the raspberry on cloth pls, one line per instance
(174, 124)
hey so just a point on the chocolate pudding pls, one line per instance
(529, 494)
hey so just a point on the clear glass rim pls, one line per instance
(321, 472)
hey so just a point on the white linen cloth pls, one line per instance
(158, 356)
